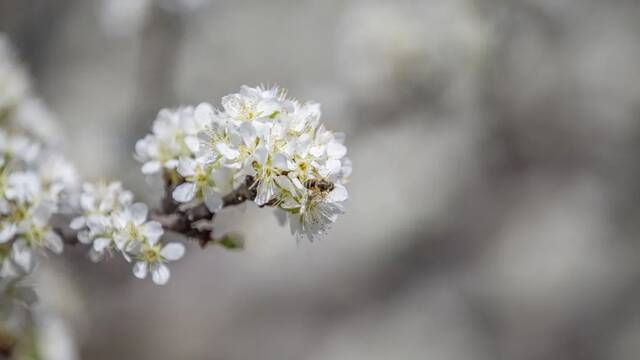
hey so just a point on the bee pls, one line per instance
(321, 185)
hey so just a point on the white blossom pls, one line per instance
(153, 258)
(389, 50)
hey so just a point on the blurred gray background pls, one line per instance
(495, 196)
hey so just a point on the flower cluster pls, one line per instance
(35, 185)
(295, 163)
(112, 223)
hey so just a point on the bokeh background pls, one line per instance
(495, 198)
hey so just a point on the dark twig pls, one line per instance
(60, 224)
(7, 344)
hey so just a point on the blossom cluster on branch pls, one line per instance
(295, 164)
(259, 146)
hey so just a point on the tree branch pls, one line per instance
(7, 344)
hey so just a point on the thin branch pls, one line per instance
(7, 344)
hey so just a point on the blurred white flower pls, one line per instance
(35, 184)
(389, 50)
(19, 107)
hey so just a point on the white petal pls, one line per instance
(119, 240)
(260, 154)
(22, 256)
(187, 166)
(54, 242)
(204, 113)
(139, 213)
(336, 150)
(84, 237)
(160, 274)
(126, 256)
(153, 231)
(333, 166)
(41, 214)
(227, 151)
(125, 198)
(100, 244)
(140, 270)
(8, 232)
(78, 223)
(172, 251)
(232, 105)
(280, 161)
(192, 143)
(97, 223)
(151, 167)
(184, 192)
(285, 183)
(171, 164)
(339, 193)
(212, 199)
(266, 190)
(262, 129)
(296, 182)
(223, 179)
(267, 107)
(316, 151)
(247, 132)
